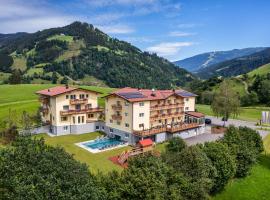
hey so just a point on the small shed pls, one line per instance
(146, 145)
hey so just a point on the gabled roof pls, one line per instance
(54, 91)
(135, 95)
(145, 142)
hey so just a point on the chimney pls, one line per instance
(66, 86)
(49, 90)
(153, 92)
(173, 90)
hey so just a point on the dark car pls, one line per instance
(208, 121)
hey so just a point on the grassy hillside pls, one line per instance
(263, 70)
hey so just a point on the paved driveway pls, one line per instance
(237, 123)
(208, 137)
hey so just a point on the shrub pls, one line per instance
(223, 161)
(176, 144)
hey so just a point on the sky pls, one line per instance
(172, 29)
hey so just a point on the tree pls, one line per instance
(249, 99)
(54, 78)
(223, 161)
(16, 77)
(64, 80)
(226, 101)
(196, 166)
(245, 146)
(33, 170)
(176, 144)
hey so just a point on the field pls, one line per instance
(21, 98)
(247, 113)
(256, 186)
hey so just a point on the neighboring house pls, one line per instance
(70, 110)
(134, 114)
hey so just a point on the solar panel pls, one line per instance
(186, 94)
(131, 95)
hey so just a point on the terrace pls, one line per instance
(169, 128)
(167, 106)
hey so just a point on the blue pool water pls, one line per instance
(103, 143)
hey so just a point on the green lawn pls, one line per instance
(247, 113)
(96, 162)
(66, 38)
(256, 186)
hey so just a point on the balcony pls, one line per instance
(169, 129)
(116, 107)
(78, 101)
(81, 111)
(44, 110)
(166, 116)
(116, 117)
(167, 106)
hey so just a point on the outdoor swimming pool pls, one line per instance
(101, 144)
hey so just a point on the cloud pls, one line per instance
(188, 25)
(138, 39)
(180, 34)
(168, 48)
(116, 29)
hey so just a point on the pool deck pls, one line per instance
(82, 145)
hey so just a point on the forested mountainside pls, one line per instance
(80, 51)
(205, 60)
(236, 66)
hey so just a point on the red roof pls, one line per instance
(195, 114)
(146, 142)
(148, 95)
(59, 90)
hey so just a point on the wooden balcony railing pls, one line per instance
(78, 101)
(170, 129)
(44, 110)
(81, 111)
(167, 106)
(116, 117)
(166, 116)
(116, 107)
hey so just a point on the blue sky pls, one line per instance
(173, 29)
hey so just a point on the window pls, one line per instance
(169, 101)
(177, 109)
(159, 121)
(65, 128)
(111, 130)
(141, 103)
(79, 120)
(126, 135)
(126, 125)
(126, 104)
(65, 107)
(141, 125)
(118, 123)
(74, 120)
(126, 114)
(63, 119)
(186, 108)
(87, 96)
(187, 99)
(81, 96)
(73, 96)
(89, 105)
(175, 100)
(90, 115)
(103, 128)
(97, 127)
(118, 103)
(141, 114)
(111, 121)
(67, 96)
(82, 119)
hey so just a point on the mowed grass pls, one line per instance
(247, 113)
(66, 38)
(256, 186)
(96, 162)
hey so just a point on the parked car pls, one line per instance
(208, 121)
